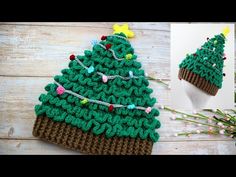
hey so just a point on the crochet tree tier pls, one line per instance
(204, 68)
(101, 104)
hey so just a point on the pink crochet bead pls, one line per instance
(148, 110)
(60, 90)
(104, 78)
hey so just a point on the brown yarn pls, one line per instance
(119, 146)
(101, 145)
(124, 146)
(130, 145)
(106, 148)
(198, 81)
(86, 142)
(95, 145)
(136, 148)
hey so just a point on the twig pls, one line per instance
(157, 80)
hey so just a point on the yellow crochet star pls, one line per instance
(123, 29)
(225, 31)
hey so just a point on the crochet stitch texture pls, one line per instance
(204, 68)
(96, 120)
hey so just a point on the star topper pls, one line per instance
(226, 31)
(123, 29)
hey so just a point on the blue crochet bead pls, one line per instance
(131, 106)
(90, 69)
(131, 75)
(94, 42)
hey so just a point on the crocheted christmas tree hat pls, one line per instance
(101, 104)
(204, 68)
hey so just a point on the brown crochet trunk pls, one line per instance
(73, 138)
(198, 81)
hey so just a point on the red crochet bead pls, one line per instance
(224, 58)
(111, 108)
(195, 54)
(72, 57)
(103, 38)
(108, 46)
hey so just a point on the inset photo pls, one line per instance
(202, 66)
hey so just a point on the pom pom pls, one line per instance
(84, 101)
(131, 106)
(110, 108)
(198, 131)
(128, 56)
(131, 75)
(108, 46)
(104, 78)
(148, 110)
(103, 38)
(72, 57)
(90, 69)
(60, 90)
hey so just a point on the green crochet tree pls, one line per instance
(100, 104)
(204, 68)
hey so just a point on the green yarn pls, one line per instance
(121, 122)
(208, 64)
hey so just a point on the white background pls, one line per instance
(186, 38)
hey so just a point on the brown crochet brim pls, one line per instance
(198, 81)
(74, 138)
